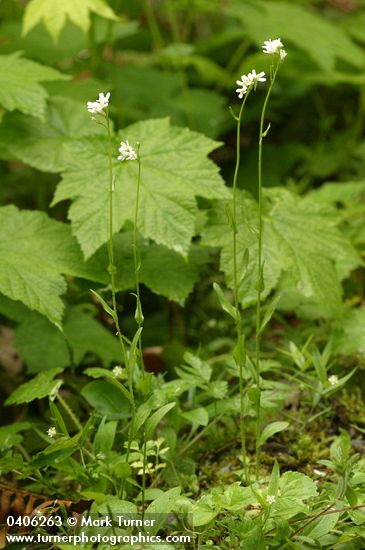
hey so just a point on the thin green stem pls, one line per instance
(139, 313)
(144, 471)
(111, 267)
(240, 358)
(112, 271)
(136, 260)
(260, 282)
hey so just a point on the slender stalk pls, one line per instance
(112, 271)
(136, 260)
(144, 471)
(240, 355)
(139, 313)
(260, 282)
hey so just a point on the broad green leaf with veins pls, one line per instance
(175, 170)
(45, 145)
(35, 251)
(20, 86)
(322, 40)
(30, 253)
(300, 239)
(54, 13)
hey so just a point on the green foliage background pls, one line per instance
(171, 68)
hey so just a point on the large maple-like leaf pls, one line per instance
(46, 145)
(55, 12)
(300, 239)
(175, 170)
(35, 253)
(324, 41)
(20, 86)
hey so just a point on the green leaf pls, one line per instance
(180, 274)
(294, 489)
(86, 335)
(57, 417)
(162, 506)
(270, 310)
(311, 258)
(19, 84)
(104, 437)
(156, 418)
(175, 170)
(105, 306)
(203, 512)
(54, 14)
(297, 486)
(31, 252)
(341, 449)
(10, 436)
(107, 399)
(350, 335)
(225, 304)
(45, 144)
(322, 40)
(40, 386)
(321, 527)
(40, 344)
(270, 430)
(113, 505)
(274, 480)
(197, 416)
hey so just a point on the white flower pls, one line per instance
(333, 380)
(118, 371)
(254, 78)
(272, 46)
(319, 472)
(52, 432)
(282, 54)
(251, 79)
(126, 151)
(270, 499)
(99, 105)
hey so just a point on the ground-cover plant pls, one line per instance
(121, 244)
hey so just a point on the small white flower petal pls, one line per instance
(52, 432)
(99, 105)
(126, 151)
(118, 371)
(333, 380)
(282, 54)
(272, 47)
(251, 79)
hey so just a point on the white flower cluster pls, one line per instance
(248, 80)
(99, 105)
(118, 371)
(333, 380)
(52, 432)
(273, 47)
(126, 151)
